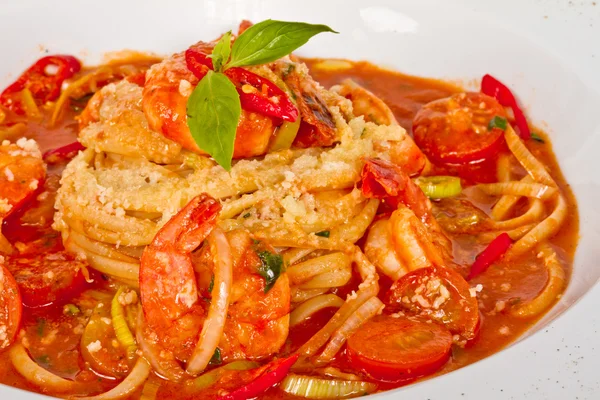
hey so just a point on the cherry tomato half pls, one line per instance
(438, 293)
(397, 349)
(48, 278)
(10, 308)
(455, 130)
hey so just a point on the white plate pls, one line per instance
(549, 51)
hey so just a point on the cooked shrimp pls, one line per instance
(21, 173)
(168, 286)
(258, 321)
(404, 153)
(365, 103)
(168, 86)
(173, 282)
(410, 238)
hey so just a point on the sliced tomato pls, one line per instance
(48, 278)
(398, 349)
(439, 293)
(10, 308)
(455, 130)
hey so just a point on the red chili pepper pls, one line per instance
(273, 375)
(263, 96)
(493, 87)
(44, 84)
(198, 62)
(64, 153)
(257, 94)
(492, 253)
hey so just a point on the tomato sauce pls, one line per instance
(53, 335)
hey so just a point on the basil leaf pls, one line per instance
(213, 112)
(270, 40)
(221, 52)
(271, 268)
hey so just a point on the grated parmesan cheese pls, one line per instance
(94, 346)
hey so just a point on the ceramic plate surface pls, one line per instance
(548, 50)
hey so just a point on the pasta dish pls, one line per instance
(233, 222)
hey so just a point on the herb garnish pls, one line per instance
(271, 268)
(497, 122)
(537, 137)
(324, 234)
(216, 358)
(214, 107)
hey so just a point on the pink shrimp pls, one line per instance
(404, 153)
(410, 238)
(252, 323)
(22, 172)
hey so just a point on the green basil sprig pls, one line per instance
(221, 52)
(214, 107)
(270, 40)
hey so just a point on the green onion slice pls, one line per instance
(311, 387)
(122, 331)
(439, 187)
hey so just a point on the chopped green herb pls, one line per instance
(211, 285)
(41, 325)
(497, 122)
(271, 268)
(324, 234)
(71, 309)
(216, 358)
(537, 137)
(247, 215)
(44, 360)
(514, 301)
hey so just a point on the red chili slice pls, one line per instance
(492, 253)
(198, 62)
(274, 373)
(44, 84)
(493, 87)
(257, 94)
(262, 96)
(63, 154)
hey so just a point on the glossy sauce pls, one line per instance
(405, 95)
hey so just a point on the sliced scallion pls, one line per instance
(122, 331)
(311, 387)
(439, 187)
